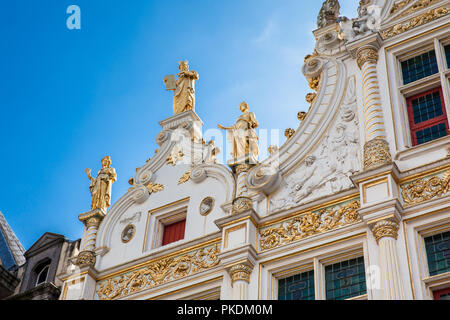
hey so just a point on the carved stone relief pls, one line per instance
(327, 169)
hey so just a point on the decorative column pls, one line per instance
(240, 279)
(385, 233)
(91, 220)
(376, 148)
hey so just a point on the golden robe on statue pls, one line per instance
(184, 98)
(101, 186)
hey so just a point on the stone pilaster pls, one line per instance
(386, 233)
(376, 149)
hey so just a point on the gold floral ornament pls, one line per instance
(289, 132)
(310, 97)
(154, 187)
(185, 177)
(422, 19)
(426, 189)
(158, 272)
(309, 224)
(173, 158)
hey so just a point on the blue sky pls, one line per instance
(70, 97)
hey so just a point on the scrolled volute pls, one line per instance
(265, 178)
(163, 136)
(198, 174)
(139, 193)
(313, 67)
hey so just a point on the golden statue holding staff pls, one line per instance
(184, 88)
(242, 135)
(101, 186)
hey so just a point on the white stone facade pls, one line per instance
(318, 202)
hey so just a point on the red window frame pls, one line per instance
(429, 123)
(173, 232)
(437, 294)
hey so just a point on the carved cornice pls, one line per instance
(309, 224)
(158, 272)
(425, 189)
(419, 20)
(240, 272)
(92, 218)
(385, 228)
(376, 154)
(366, 54)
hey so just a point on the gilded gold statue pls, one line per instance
(101, 186)
(242, 135)
(184, 88)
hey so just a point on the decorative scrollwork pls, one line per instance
(241, 204)
(157, 273)
(422, 19)
(309, 224)
(426, 189)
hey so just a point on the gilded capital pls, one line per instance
(242, 168)
(366, 54)
(85, 258)
(241, 204)
(376, 154)
(93, 222)
(385, 228)
(240, 272)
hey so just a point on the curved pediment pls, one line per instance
(325, 151)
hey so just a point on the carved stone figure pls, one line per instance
(368, 21)
(329, 13)
(242, 135)
(101, 186)
(184, 88)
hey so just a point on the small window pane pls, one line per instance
(447, 55)
(297, 287)
(431, 133)
(345, 279)
(438, 253)
(419, 67)
(427, 107)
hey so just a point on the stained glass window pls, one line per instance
(419, 67)
(438, 253)
(427, 116)
(345, 279)
(297, 287)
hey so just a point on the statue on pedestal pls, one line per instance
(242, 135)
(101, 186)
(184, 88)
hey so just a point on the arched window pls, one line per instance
(42, 273)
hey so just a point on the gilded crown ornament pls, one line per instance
(385, 228)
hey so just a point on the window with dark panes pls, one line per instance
(438, 253)
(427, 116)
(419, 67)
(173, 232)
(297, 287)
(345, 279)
(447, 55)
